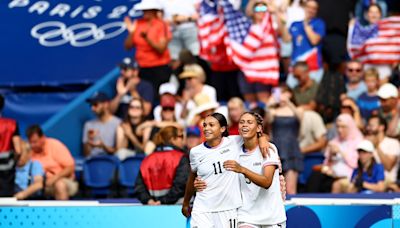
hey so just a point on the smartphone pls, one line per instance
(276, 93)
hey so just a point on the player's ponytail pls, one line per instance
(222, 122)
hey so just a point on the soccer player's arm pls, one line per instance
(264, 180)
(189, 191)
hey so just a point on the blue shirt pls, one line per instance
(302, 45)
(30, 170)
(378, 174)
(355, 93)
(367, 104)
(146, 92)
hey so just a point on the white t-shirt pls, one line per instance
(389, 146)
(223, 189)
(261, 206)
(178, 7)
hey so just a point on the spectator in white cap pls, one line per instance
(368, 177)
(130, 85)
(168, 90)
(150, 36)
(388, 97)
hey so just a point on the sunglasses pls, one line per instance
(358, 70)
(134, 107)
(261, 8)
(168, 109)
(180, 136)
(346, 107)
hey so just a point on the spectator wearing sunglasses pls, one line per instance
(99, 134)
(355, 85)
(128, 142)
(168, 90)
(149, 129)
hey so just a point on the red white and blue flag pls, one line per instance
(375, 44)
(251, 47)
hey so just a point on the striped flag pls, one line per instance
(211, 33)
(252, 47)
(375, 44)
(225, 34)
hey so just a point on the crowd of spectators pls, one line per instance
(330, 105)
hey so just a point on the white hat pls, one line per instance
(366, 146)
(387, 91)
(203, 103)
(167, 87)
(148, 5)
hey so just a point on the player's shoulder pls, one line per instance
(197, 149)
(273, 151)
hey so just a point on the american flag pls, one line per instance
(211, 32)
(375, 44)
(251, 47)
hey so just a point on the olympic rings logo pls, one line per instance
(55, 33)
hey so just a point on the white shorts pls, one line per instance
(248, 225)
(221, 219)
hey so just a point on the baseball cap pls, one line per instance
(128, 63)
(167, 100)
(167, 88)
(387, 91)
(366, 146)
(193, 131)
(98, 97)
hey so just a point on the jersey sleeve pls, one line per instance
(193, 161)
(273, 158)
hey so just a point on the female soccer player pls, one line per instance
(217, 205)
(259, 183)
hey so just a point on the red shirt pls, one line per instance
(156, 29)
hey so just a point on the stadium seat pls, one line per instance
(310, 160)
(128, 171)
(98, 175)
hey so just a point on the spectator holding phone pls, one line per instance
(285, 118)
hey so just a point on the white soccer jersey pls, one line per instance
(223, 188)
(261, 206)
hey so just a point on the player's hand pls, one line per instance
(264, 145)
(232, 165)
(199, 184)
(186, 210)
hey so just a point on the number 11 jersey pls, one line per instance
(223, 188)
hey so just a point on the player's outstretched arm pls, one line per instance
(189, 192)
